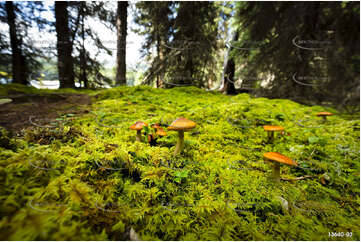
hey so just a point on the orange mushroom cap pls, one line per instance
(325, 114)
(161, 132)
(275, 156)
(138, 125)
(182, 124)
(273, 128)
(155, 126)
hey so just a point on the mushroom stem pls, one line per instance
(324, 118)
(276, 172)
(180, 142)
(270, 136)
(139, 136)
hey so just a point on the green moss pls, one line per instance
(11, 89)
(8, 89)
(5, 140)
(90, 180)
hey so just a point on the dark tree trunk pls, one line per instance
(64, 46)
(121, 24)
(18, 60)
(228, 79)
(160, 74)
(188, 78)
(83, 76)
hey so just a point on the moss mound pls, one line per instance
(90, 180)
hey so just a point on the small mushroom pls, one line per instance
(152, 137)
(278, 158)
(160, 132)
(181, 125)
(152, 140)
(324, 115)
(154, 126)
(270, 130)
(138, 126)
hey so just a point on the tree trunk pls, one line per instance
(187, 79)
(160, 74)
(228, 78)
(64, 46)
(18, 60)
(228, 87)
(121, 24)
(83, 76)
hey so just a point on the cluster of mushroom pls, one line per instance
(278, 158)
(138, 126)
(180, 124)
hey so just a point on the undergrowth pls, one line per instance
(88, 179)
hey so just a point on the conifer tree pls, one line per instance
(308, 50)
(64, 45)
(196, 36)
(20, 16)
(184, 34)
(156, 22)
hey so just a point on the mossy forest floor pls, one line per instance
(78, 173)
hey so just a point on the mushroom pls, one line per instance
(271, 129)
(160, 132)
(155, 126)
(138, 127)
(278, 158)
(152, 138)
(324, 115)
(181, 125)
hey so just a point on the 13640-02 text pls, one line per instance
(340, 234)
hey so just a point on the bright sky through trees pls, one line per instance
(109, 38)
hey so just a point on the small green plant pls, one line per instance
(180, 176)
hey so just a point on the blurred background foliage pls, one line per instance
(304, 51)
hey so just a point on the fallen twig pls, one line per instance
(297, 178)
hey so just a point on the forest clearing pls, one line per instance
(180, 120)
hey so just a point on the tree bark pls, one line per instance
(83, 75)
(18, 60)
(160, 74)
(229, 87)
(121, 24)
(228, 79)
(64, 46)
